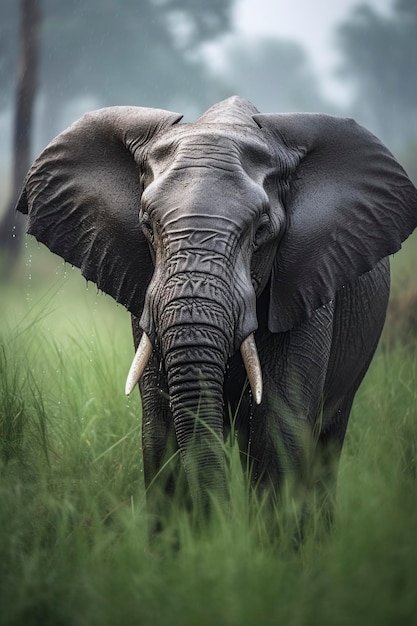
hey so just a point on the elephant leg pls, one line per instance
(358, 322)
(296, 451)
(282, 436)
(319, 505)
(161, 465)
(359, 316)
(279, 464)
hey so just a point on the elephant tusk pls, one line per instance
(253, 367)
(139, 363)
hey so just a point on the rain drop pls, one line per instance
(251, 410)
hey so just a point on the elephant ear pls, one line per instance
(348, 204)
(82, 197)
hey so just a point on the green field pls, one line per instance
(73, 547)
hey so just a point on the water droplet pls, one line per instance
(251, 411)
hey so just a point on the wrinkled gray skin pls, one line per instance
(207, 232)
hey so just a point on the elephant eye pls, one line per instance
(263, 232)
(146, 226)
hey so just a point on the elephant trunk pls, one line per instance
(247, 349)
(197, 320)
(195, 381)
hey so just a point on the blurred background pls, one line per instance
(72, 511)
(59, 58)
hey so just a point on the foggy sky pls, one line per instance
(310, 22)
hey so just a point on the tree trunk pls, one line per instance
(12, 226)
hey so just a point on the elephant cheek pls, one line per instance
(261, 267)
(245, 303)
(148, 321)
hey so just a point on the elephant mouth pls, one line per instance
(247, 349)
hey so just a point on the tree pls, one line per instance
(9, 43)
(11, 228)
(111, 52)
(379, 54)
(105, 52)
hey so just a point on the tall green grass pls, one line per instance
(73, 546)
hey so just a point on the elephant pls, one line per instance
(252, 251)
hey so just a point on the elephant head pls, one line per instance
(187, 224)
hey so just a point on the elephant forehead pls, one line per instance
(206, 192)
(224, 147)
(213, 170)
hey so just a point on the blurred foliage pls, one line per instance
(117, 52)
(379, 58)
(275, 74)
(153, 53)
(73, 546)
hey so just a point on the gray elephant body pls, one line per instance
(274, 225)
(311, 374)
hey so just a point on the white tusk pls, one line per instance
(139, 363)
(253, 367)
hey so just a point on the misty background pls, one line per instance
(345, 58)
